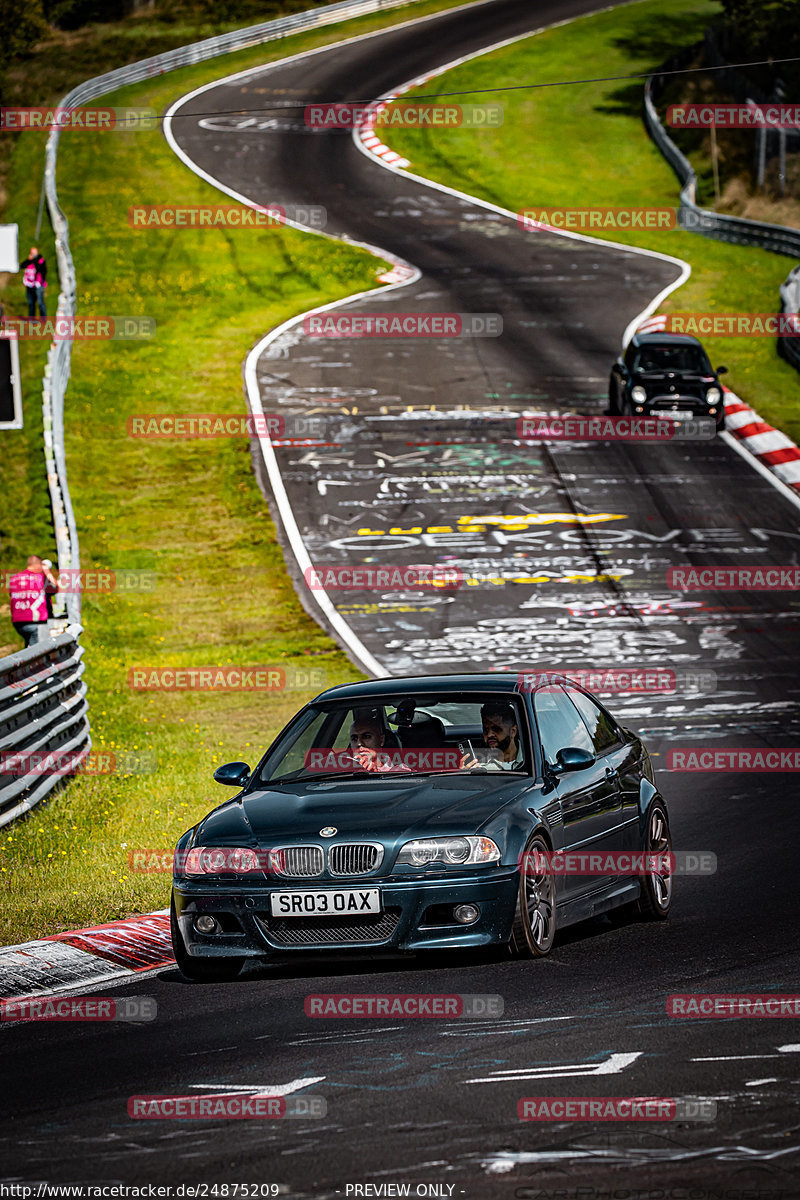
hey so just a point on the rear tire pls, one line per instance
(534, 926)
(655, 897)
(200, 970)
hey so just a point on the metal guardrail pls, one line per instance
(42, 695)
(43, 714)
(781, 239)
(58, 367)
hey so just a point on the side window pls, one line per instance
(290, 754)
(630, 355)
(602, 730)
(559, 722)
(342, 739)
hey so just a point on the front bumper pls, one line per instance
(668, 404)
(413, 917)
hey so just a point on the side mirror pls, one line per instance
(722, 370)
(235, 774)
(572, 758)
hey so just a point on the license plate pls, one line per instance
(317, 904)
(680, 415)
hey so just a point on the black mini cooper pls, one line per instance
(669, 375)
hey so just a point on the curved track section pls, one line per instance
(555, 543)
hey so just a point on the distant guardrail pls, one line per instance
(43, 714)
(781, 239)
(50, 714)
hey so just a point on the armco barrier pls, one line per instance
(781, 239)
(52, 713)
(58, 366)
(42, 710)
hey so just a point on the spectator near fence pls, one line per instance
(34, 276)
(30, 591)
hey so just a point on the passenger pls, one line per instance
(501, 734)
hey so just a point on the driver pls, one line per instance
(367, 733)
(367, 736)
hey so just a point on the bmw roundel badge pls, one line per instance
(328, 831)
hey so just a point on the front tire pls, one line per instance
(655, 897)
(534, 928)
(200, 970)
(613, 396)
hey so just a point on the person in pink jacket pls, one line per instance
(34, 277)
(30, 591)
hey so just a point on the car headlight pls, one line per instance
(452, 850)
(217, 860)
(638, 394)
(713, 395)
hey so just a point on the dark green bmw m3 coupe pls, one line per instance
(423, 813)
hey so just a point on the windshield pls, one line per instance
(402, 736)
(690, 359)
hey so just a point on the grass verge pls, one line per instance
(188, 510)
(585, 146)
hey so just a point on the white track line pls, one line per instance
(353, 643)
(362, 656)
(400, 89)
(362, 143)
(787, 492)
